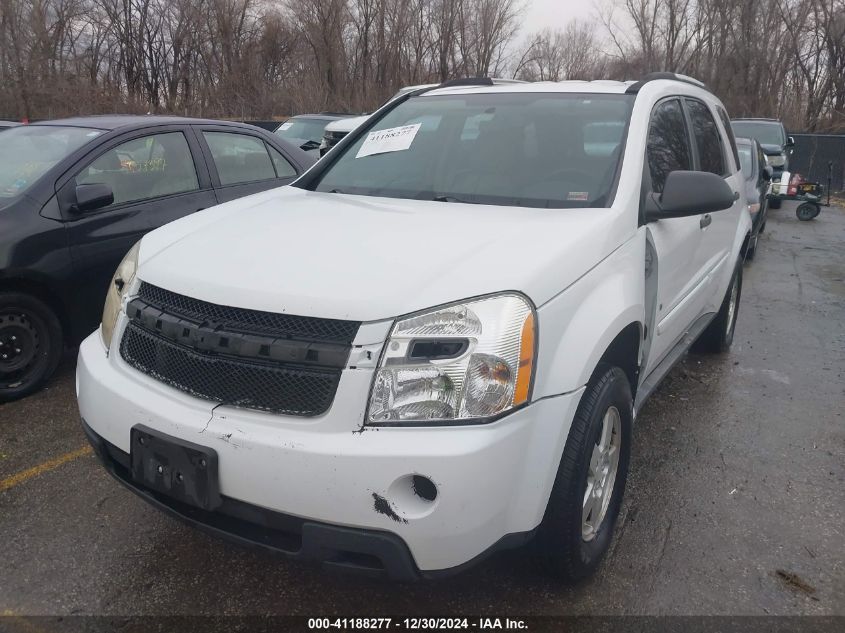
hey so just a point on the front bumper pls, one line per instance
(349, 492)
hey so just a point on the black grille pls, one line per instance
(250, 321)
(272, 387)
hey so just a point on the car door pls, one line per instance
(155, 179)
(680, 297)
(711, 153)
(242, 163)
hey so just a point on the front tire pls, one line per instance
(587, 494)
(31, 344)
(719, 335)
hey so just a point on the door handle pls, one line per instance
(736, 195)
(705, 221)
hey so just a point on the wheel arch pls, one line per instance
(41, 290)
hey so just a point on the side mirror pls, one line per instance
(790, 141)
(689, 193)
(768, 172)
(92, 197)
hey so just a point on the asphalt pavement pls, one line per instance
(735, 502)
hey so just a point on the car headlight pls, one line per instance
(467, 361)
(119, 286)
(777, 160)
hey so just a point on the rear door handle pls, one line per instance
(705, 221)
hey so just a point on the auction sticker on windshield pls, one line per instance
(394, 139)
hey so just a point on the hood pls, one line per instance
(772, 150)
(366, 259)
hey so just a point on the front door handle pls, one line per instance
(705, 221)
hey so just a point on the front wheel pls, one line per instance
(30, 344)
(584, 504)
(719, 335)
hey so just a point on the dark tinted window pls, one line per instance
(708, 141)
(668, 145)
(726, 123)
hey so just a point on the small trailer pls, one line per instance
(795, 187)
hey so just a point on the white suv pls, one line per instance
(434, 344)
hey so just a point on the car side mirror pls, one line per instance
(790, 141)
(92, 197)
(768, 172)
(689, 193)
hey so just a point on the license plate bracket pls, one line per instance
(182, 470)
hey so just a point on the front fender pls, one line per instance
(578, 325)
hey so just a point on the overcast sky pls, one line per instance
(554, 14)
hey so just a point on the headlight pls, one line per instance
(466, 361)
(118, 288)
(776, 160)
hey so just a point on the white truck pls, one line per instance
(434, 344)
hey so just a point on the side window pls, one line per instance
(708, 141)
(726, 123)
(143, 168)
(239, 158)
(283, 168)
(668, 143)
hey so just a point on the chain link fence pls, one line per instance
(816, 155)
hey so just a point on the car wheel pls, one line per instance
(807, 211)
(775, 203)
(584, 504)
(719, 335)
(30, 344)
(752, 249)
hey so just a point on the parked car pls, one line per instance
(306, 130)
(433, 345)
(758, 177)
(6, 125)
(337, 130)
(76, 194)
(771, 134)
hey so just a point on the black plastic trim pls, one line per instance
(635, 87)
(368, 552)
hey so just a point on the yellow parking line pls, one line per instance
(35, 471)
(20, 623)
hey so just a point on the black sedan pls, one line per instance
(758, 175)
(76, 194)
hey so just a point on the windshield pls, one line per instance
(745, 154)
(302, 129)
(534, 150)
(766, 133)
(27, 152)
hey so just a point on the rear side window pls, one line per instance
(708, 141)
(668, 143)
(239, 158)
(726, 123)
(283, 168)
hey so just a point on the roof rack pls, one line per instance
(634, 88)
(479, 81)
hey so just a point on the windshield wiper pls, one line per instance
(451, 199)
